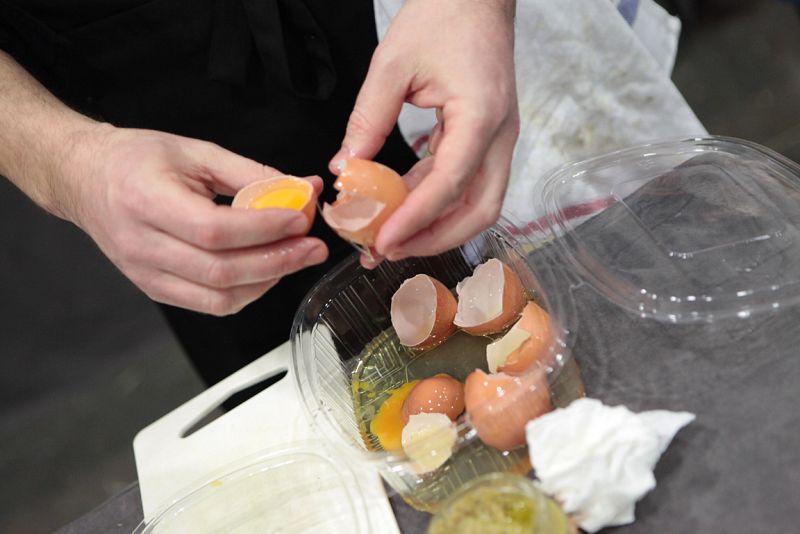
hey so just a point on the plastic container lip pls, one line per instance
(202, 492)
(753, 173)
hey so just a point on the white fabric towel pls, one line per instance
(592, 77)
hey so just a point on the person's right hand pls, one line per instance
(146, 197)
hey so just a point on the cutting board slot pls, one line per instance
(233, 400)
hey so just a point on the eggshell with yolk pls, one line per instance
(299, 195)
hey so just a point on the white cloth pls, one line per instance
(592, 77)
(597, 460)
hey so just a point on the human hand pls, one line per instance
(146, 197)
(456, 56)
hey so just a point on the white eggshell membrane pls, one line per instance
(428, 440)
(498, 351)
(414, 310)
(480, 296)
(357, 213)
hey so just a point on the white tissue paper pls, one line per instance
(597, 460)
(592, 77)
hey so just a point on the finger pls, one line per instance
(224, 171)
(464, 143)
(230, 268)
(375, 113)
(370, 262)
(170, 289)
(316, 183)
(478, 210)
(178, 211)
(418, 172)
(436, 135)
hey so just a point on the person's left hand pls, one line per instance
(456, 56)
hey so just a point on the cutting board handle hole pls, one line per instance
(233, 400)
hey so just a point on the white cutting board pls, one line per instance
(170, 466)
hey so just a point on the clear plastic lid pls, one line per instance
(694, 230)
(289, 490)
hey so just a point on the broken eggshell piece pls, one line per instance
(422, 312)
(368, 194)
(428, 440)
(526, 343)
(490, 299)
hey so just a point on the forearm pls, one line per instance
(39, 138)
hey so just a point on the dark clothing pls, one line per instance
(272, 80)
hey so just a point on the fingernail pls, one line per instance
(339, 161)
(317, 254)
(337, 166)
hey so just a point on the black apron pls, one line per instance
(272, 80)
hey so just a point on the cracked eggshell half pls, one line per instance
(499, 405)
(490, 299)
(284, 192)
(438, 394)
(368, 195)
(422, 312)
(526, 343)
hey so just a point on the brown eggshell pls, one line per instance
(251, 192)
(363, 179)
(354, 219)
(438, 394)
(474, 289)
(499, 405)
(535, 349)
(422, 312)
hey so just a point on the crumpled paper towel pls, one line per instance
(597, 460)
(592, 77)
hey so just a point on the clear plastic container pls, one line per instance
(650, 262)
(347, 357)
(699, 219)
(293, 490)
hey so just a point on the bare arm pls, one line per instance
(146, 198)
(38, 136)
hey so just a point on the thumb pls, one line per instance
(227, 171)
(374, 115)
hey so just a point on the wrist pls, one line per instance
(70, 171)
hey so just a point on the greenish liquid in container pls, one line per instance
(385, 364)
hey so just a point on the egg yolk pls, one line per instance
(387, 425)
(292, 199)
